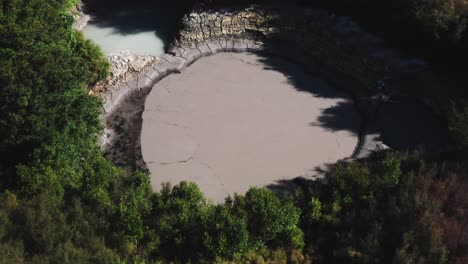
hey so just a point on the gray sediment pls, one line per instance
(322, 44)
(207, 32)
(182, 57)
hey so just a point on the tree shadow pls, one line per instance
(408, 125)
(402, 123)
(303, 77)
(132, 17)
(125, 124)
(306, 76)
(341, 116)
(288, 187)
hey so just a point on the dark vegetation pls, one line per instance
(62, 202)
(436, 29)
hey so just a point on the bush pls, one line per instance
(271, 221)
(226, 235)
(458, 124)
(177, 215)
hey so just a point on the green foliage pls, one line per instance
(410, 251)
(68, 4)
(12, 252)
(63, 202)
(97, 66)
(315, 209)
(372, 213)
(458, 124)
(48, 122)
(177, 217)
(63, 165)
(133, 208)
(442, 17)
(434, 29)
(390, 170)
(42, 232)
(272, 221)
(48, 136)
(44, 77)
(226, 234)
(276, 256)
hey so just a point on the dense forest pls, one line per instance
(63, 202)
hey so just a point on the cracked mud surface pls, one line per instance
(228, 123)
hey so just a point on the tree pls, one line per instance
(458, 123)
(271, 221)
(225, 234)
(45, 111)
(176, 216)
(133, 208)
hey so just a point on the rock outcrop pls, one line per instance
(323, 38)
(316, 39)
(125, 66)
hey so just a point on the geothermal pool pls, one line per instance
(140, 27)
(111, 40)
(230, 121)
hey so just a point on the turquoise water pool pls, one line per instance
(142, 27)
